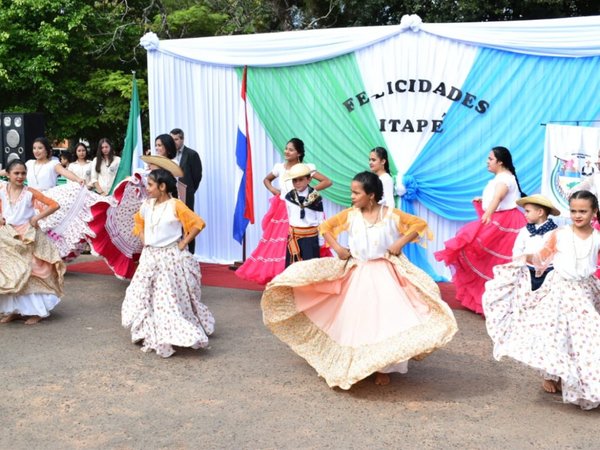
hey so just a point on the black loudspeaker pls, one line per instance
(19, 130)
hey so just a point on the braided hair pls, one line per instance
(503, 155)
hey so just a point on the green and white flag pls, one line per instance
(132, 149)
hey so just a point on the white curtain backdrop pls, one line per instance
(193, 85)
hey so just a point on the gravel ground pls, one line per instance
(76, 381)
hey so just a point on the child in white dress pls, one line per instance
(31, 273)
(555, 329)
(162, 304)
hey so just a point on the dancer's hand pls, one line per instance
(33, 222)
(486, 218)
(343, 253)
(181, 245)
(396, 248)
(2, 221)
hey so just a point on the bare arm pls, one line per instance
(499, 194)
(268, 184)
(342, 252)
(324, 182)
(396, 247)
(68, 174)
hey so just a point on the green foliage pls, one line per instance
(72, 59)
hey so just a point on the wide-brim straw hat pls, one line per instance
(297, 171)
(164, 163)
(539, 199)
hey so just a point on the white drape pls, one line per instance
(570, 37)
(192, 85)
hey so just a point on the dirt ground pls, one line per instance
(76, 381)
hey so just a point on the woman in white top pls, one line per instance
(82, 167)
(43, 171)
(67, 227)
(487, 242)
(104, 167)
(380, 166)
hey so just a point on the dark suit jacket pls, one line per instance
(192, 173)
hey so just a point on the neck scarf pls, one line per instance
(311, 201)
(549, 225)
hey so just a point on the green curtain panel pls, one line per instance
(307, 101)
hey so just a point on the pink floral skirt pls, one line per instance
(162, 304)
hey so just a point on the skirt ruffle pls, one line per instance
(162, 304)
(350, 319)
(476, 250)
(31, 273)
(110, 230)
(28, 304)
(67, 227)
(555, 329)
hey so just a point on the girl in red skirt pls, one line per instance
(487, 242)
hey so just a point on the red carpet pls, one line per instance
(220, 275)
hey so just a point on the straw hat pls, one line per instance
(540, 200)
(164, 163)
(297, 171)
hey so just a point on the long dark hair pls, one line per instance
(299, 146)
(160, 176)
(503, 155)
(382, 154)
(100, 157)
(587, 195)
(371, 184)
(46, 143)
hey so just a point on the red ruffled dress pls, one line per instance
(477, 248)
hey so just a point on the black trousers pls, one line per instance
(309, 249)
(536, 282)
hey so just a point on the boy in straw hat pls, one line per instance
(305, 214)
(532, 238)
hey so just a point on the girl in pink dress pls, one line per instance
(162, 304)
(31, 273)
(487, 242)
(369, 310)
(268, 258)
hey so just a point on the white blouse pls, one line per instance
(279, 171)
(509, 200)
(83, 171)
(107, 174)
(21, 211)
(42, 176)
(575, 258)
(525, 244)
(388, 190)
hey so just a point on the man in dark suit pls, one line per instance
(190, 163)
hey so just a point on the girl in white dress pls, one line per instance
(67, 227)
(380, 166)
(82, 166)
(368, 311)
(31, 273)
(162, 304)
(104, 167)
(555, 329)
